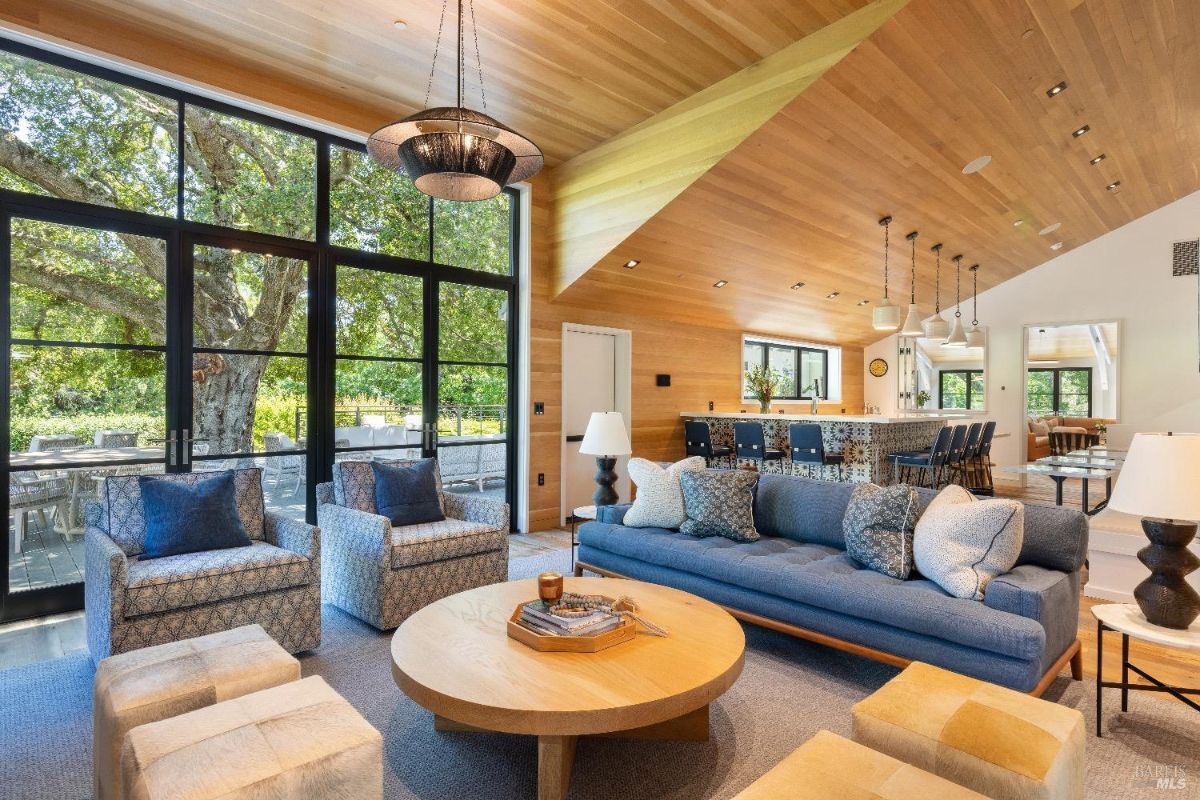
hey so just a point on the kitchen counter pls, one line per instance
(877, 419)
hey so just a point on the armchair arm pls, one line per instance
(614, 515)
(106, 574)
(294, 535)
(483, 510)
(1048, 596)
(355, 532)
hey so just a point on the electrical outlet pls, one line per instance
(539, 408)
(541, 479)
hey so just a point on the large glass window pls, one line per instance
(1065, 390)
(82, 138)
(802, 371)
(374, 209)
(961, 388)
(474, 235)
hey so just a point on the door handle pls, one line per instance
(172, 440)
(187, 447)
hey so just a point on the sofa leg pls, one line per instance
(578, 571)
(1077, 664)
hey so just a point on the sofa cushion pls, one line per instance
(659, 502)
(192, 579)
(802, 508)
(438, 541)
(825, 577)
(124, 517)
(962, 542)
(407, 495)
(878, 527)
(719, 503)
(190, 517)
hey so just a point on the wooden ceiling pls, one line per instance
(568, 74)
(888, 130)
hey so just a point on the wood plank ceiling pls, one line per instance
(887, 130)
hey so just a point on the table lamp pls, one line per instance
(605, 438)
(1158, 483)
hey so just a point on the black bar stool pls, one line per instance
(959, 465)
(929, 462)
(957, 441)
(808, 448)
(698, 436)
(983, 460)
(750, 442)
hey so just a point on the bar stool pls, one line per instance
(983, 459)
(957, 441)
(958, 466)
(698, 436)
(808, 448)
(930, 461)
(750, 442)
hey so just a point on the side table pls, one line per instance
(1127, 619)
(581, 513)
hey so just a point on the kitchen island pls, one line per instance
(864, 440)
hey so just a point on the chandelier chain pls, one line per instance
(461, 77)
(886, 247)
(957, 289)
(912, 289)
(937, 283)
(436, 46)
(975, 295)
(478, 59)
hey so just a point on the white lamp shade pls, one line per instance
(1160, 476)
(957, 337)
(975, 337)
(936, 327)
(912, 323)
(606, 435)
(886, 317)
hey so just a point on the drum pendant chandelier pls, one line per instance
(456, 153)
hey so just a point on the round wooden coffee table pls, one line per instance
(455, 658)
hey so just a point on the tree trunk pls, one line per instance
(224, 393)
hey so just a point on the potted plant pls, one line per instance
(923, 397)
(762, 383)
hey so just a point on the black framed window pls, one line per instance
(226, 285)
(799, 368)
(1065, 391)
(961, 389)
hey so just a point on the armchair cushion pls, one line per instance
(354, 483)
(192, 579)
(407, 495)
(190, 517)
(439, 541)
(123, 517)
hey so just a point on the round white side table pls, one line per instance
(581, 513)
(1127, 620)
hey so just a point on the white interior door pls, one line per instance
(589, 384)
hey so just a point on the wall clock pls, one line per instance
(878, 367)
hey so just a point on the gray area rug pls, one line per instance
(789, 690)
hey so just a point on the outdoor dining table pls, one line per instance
(79, 465)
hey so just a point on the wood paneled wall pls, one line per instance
(704, 364)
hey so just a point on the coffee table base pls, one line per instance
(556, 754)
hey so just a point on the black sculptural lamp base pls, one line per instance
(1165, 597)
(606, 476)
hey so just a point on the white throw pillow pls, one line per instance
(659, 502)
(962, 542)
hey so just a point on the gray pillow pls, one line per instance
(720, 503)
(878, 527)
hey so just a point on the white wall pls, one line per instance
(1124, 275)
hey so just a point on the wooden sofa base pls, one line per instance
(1073, 654)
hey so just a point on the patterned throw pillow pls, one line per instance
(659, 502)
(878, 527)
(963, 542)
(719, 503)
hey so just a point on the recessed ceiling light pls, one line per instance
(799, 285)
(833, 295)
(1050, 228)
(1056, 246)
(1097, 159)
(631, 263)
(399, 24)
(1056, 89)
(720, 284)
(234, 250)
(862, 302)
(1112, 187)
(976, 165)
(1018, 222)
(1081, 131)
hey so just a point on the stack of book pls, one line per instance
(536, 616)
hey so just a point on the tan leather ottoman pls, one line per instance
(828, 766)
(159, 682)
(298, 740)
(999, 742)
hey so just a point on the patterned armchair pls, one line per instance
(130, 603)
(382, 574)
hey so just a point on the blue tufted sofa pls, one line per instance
(798, 579)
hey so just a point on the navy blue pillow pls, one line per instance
(407, 495)
(190, 517)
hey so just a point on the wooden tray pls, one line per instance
(569, 644)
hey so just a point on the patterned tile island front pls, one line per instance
(865, 441)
